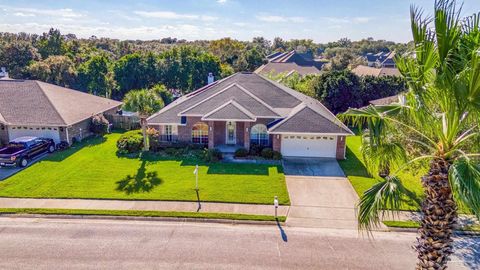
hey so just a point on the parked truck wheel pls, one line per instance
(23, 162)
(51, 149)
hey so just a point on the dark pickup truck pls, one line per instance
(20, 151)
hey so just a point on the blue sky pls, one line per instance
(320, 20)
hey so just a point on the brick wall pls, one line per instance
(185, 132)
(219, 133)
(78, 131)
(211, 134)
(3, 134)
(246, 135)
(341, 147)
(276, 142)
(240, 132)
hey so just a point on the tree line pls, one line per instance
(112, 68)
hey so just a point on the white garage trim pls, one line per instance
(309, 145)
(43, 132)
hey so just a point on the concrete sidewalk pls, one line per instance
(204, 207)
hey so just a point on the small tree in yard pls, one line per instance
(438, 122)
(145, 103)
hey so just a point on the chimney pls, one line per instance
(211, 78)
(3, 73)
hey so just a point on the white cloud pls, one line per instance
(170, 15)
(279, 19)
(362, 19)
(347, 20)
(30, 12)
(186, 31)
(221, 1)
(21, 14)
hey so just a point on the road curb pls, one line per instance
(140, 218)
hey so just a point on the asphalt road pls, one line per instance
(30, 243)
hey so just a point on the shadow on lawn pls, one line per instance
(143, 181)
(215, 167)
(353, 166)
(87, 142)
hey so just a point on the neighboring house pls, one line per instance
(362, 70)
(34, 108)
(291, 62)
(381, 59)
(247, 108)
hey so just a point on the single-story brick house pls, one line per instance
(35, 108)
(247, 108)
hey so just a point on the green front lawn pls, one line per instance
(355, 170)
(92, 169)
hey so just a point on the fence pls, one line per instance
(124, 121)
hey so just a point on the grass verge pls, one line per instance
(136, 213)
(416, 224)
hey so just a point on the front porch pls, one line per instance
(228, 148)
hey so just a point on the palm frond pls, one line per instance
(384, 195)
(385, 155)
(465, 182)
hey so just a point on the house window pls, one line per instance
(200, 133)
(169, 133)
(259, 135)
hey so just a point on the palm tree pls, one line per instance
(145, 103)
(437, 121)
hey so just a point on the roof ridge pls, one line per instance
(257, 98)
(235, 104)
(332, 118)
(292, 113)
(50, 101)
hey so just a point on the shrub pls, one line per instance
(267, 153)
(277, 155)
(130, 142)
(212, 155)
(241, 152)
(256, 149)
(99, 124)
(171, 151)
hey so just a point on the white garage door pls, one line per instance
(42, 132)
(309, 146)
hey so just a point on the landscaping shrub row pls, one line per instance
(258, 150)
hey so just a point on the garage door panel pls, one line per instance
(16, 132)
(309, 146)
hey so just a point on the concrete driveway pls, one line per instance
(312, 167)
(320, 194)
(6, 172)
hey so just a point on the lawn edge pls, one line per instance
(408, 227)
(141, 215)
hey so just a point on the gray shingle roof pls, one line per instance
(25, 102)
(306, 120)
(230, 111)
(287, 68)
(233, 92)
(256, 94)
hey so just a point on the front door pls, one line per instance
(231, 133)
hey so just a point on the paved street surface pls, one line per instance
(31, 243)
